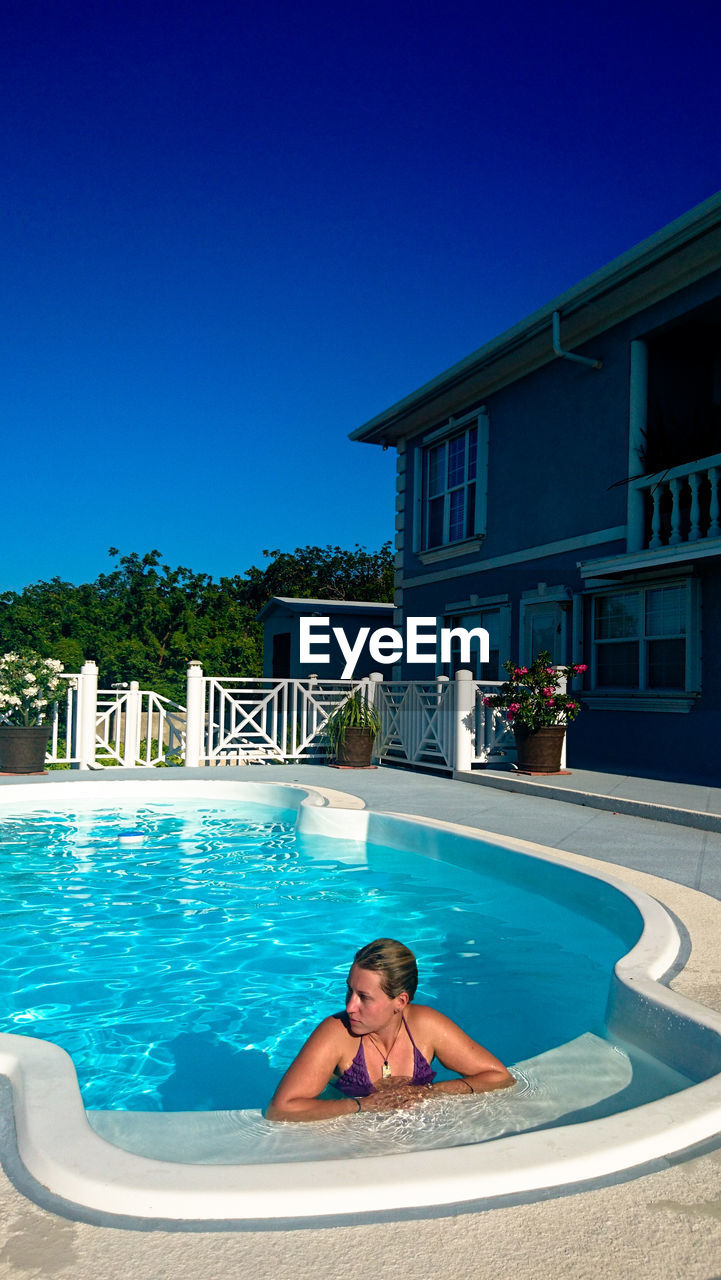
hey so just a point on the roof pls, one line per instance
(684, 251)
(293, 604)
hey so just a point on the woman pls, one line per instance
(377, 1054)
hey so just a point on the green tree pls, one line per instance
(145, 620)
(325, 573)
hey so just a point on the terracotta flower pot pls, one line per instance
(539, 750)
(23, 747)
(356, 748)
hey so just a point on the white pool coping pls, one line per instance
(62, 1153)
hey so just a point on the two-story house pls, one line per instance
(560, 487)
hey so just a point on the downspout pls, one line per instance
(568, 355)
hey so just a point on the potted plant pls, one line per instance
(28, 684)
(537, 711)
(351, 730)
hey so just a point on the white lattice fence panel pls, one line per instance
(109, 725)
(267, 719)
(161, 729)
(493, 737)
(417, 720)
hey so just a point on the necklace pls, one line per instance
(385, 1070)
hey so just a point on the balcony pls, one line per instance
(676, 507)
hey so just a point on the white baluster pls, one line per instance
(714, 529)
(675, 537)
(694, 532)
(655, 495)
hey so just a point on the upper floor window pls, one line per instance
(641, 638)
(449, 488)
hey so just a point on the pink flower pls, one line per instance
(514, 707)
(551, 671)
(509, 715)
(580, 666)
(571, 706)
(487, 701)
(550, 702)
(520, 671)
(549, 692)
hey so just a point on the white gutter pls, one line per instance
(568, 355)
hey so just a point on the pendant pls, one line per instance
(386, 1071)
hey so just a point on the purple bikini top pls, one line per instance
(355, 1081)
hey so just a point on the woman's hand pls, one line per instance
(394, 1095)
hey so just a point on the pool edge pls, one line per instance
(63, 1154)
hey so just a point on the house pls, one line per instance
(281, 635)
(560, 487)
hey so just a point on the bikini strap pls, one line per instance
(410, 1037)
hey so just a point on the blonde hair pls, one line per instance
(395, 964)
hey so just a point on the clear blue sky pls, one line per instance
(230, 234)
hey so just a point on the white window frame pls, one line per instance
(454, 615)
(441, 437)
(642, 697)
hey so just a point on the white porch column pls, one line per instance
(87, 714)
(464, 703)
(194, 715)
(637, 421)
(563, 688)
(375, 699)
(131, 738)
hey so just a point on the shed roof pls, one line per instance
(294, 605)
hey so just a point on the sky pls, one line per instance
(231, 234)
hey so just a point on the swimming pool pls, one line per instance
(182, 952)
(52, 1122)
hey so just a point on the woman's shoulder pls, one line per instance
(334, 1027)
(421, 1015)
(424, 1018)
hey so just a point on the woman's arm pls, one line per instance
(307, 1076)
(478, 1070)
(296, 1096)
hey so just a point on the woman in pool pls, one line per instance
(377, 1054)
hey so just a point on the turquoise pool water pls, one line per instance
(182, 968)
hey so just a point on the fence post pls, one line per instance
(374, 700)
(464, 701)
(131, 737)
(194, 715)
(563, 688)
(87, 714)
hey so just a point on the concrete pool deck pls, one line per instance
(662, 1224)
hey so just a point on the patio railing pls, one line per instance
(124, 725)
(438, 724)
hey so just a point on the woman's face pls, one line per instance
(367, 1005)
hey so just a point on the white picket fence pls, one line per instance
(439, 724)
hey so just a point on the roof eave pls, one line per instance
(589, 307)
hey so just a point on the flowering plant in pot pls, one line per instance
(28, 684)
(537, 710)
(351, 730)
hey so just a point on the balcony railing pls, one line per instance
(681, 505)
